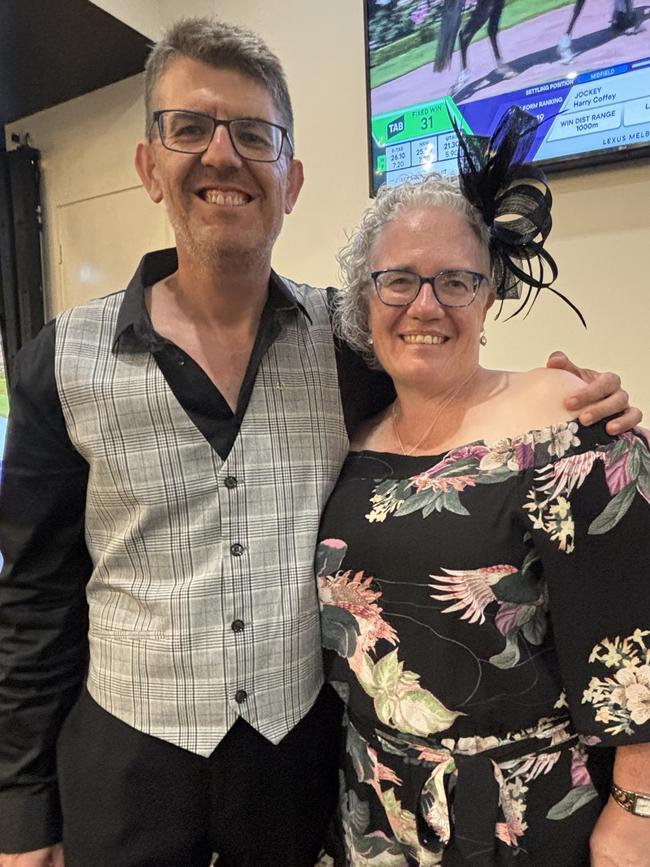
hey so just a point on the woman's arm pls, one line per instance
(621, 839)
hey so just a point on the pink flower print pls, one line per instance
(537, 765)
(524, 454)
(429, 754)
(329, 556)
(512, 802)
(617, 473)
(436, 477)
(379, 772)
(510, 615)
(471, 587)
(354, 593)
(425, 482)
(475, 451)
(579, 773)
(565, 475)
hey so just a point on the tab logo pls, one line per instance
(396, 126)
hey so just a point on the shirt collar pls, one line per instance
(134, 317)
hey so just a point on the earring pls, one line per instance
(370, 341)
(483, 339)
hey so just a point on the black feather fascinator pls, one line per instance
(515, 201)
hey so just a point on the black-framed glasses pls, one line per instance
(190, 132)
(398, 288)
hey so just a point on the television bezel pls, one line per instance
(593, 159)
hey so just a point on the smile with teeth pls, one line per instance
(232, 198)
(430, 339)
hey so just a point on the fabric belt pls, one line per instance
(469, 787)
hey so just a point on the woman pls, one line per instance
(483, 566)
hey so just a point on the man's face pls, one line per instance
(221, 206)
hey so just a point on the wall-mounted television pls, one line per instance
(583, 68)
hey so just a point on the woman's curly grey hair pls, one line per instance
(351, 301)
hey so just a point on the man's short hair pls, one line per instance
(223, 46)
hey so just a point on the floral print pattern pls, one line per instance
(436, 638)
(623, 698)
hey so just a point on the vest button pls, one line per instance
(240, 696)
(230, 482)
(236, 550)
(237, 626)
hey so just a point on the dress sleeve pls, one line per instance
(42, 601)
(588, 510)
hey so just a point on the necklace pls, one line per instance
(443, 406)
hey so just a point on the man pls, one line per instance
(169, 452)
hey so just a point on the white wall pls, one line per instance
(602, 218)
(97, 218)
(143, 15)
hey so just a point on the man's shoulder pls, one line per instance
(304, 292)
(93, 307)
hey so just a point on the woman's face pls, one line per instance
(428, 240)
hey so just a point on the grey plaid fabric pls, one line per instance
(184, 544)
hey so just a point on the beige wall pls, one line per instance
(602, 218)
(97, 218)
(143, 15)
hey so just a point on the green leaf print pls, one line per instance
(451, 502)
(356, 813)
(618, 450)
(495, 476)
(387, 672)
(535, 630)
(645, 461)
(518, 587)
(357, 749)
(367, 849)
(339, 630)
(426, 500)
(418, 712)
(509, 656)
(401, 702)
(614, 511)
(572, 801)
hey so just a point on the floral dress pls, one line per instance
(486, 619)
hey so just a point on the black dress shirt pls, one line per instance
(42, 504)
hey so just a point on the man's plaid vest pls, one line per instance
(202, 599)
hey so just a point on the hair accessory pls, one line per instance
(515, 202)
(483, 339)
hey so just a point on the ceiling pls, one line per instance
(56, 50)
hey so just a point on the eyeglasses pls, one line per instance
(190, 132)
(397, 288)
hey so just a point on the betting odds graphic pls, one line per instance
(415, 142)
(596, 111)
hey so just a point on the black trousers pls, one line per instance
(131, 800)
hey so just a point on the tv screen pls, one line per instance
(583, 68)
